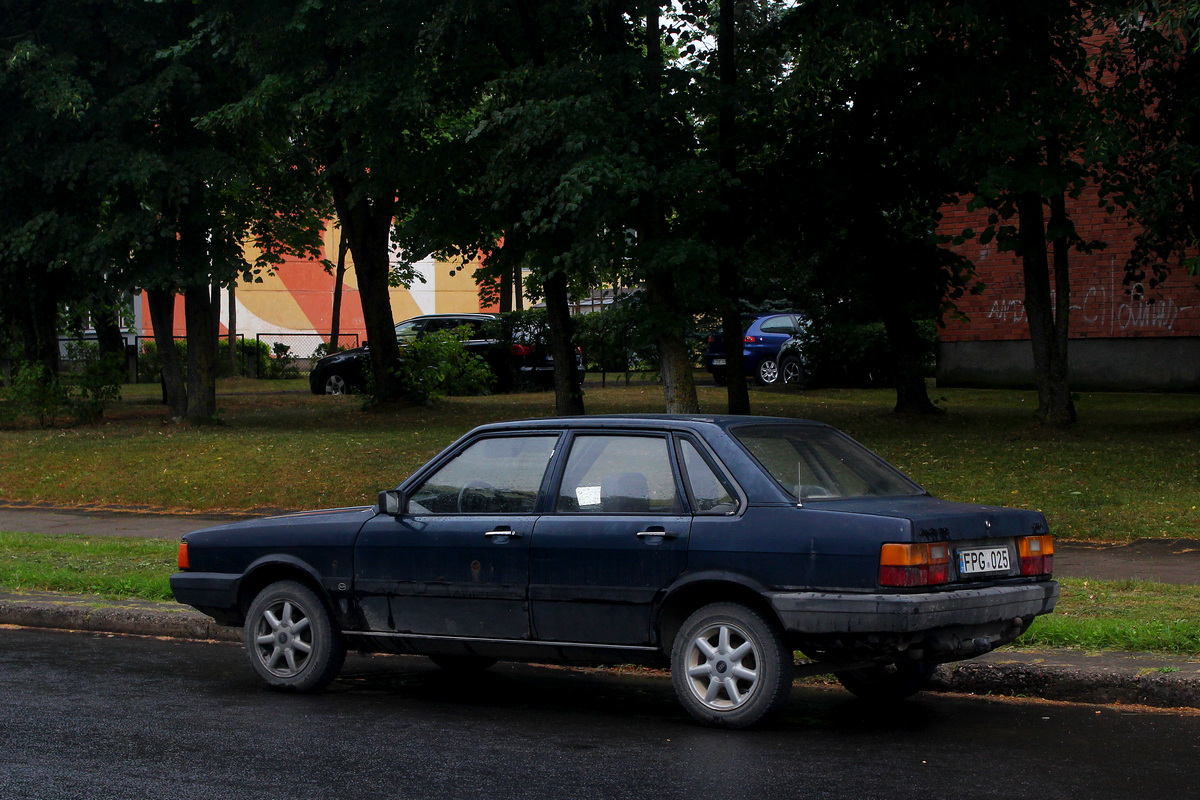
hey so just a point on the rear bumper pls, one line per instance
(814, 613)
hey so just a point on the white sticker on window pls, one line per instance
(587, 495)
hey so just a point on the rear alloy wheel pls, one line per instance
(730, 666)
(768, 372)
(290, 639)
(336, 384)
(792, 372)
(887, 682)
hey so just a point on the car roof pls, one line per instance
(641, 421)
(462, 315)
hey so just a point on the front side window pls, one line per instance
(616, 474)
(500, 475)
(812, 462)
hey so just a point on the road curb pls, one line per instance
(100, 616)
(1096, 678)
(1102, 683)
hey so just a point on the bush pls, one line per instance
(854, 354)
(281, 364)
(438, 365)
(44, 397)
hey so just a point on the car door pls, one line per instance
(456, 562)
(617, 535)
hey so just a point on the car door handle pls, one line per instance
(505, 531)
(657, 532)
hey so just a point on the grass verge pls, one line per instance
(1091, 615)
(114, 567)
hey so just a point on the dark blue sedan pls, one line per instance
(715, 545)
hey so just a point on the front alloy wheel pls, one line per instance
(336, 384)
(730, 666)
(290, 639)
(768, 371)
(792, 372)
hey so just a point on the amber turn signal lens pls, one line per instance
(183, 556)
(914, 564)
(1037, 554)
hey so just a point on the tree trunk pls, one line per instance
(367, 224)
(904, 340)
(339, 280)
(729, 225)
(232, 328)
(1048, 321)
(568, 395)
(201, 307)
(162, 319)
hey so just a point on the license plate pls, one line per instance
(983, 559)
(718, 362)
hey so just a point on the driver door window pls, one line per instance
(500, 475)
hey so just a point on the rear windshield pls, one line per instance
(812, 462)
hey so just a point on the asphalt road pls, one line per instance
(98, 716)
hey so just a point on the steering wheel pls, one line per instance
(475, 496)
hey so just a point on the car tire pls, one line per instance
(290, 638)
(719, 377)
(791, 371)
(730, 666)
(767, 373)
(336, 383)
(887, 683)
(463, 664)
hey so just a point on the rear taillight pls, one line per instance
(748, 340)
(182, 558)
(914, 564)
(1037, 554)
(521, 350)
(712, 338)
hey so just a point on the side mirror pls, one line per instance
(392, 502)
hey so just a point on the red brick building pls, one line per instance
(1118, 340)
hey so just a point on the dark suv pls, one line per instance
(531, 362)
(762, 336)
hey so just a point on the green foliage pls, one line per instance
(97, 384)
(438, 365)
(282, 364)
(841, 352)
(85, 392)
(616, 339)
(36, 394)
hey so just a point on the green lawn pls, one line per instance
(1129, 470)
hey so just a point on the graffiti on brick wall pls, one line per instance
(1097, 309)
(1007, 310)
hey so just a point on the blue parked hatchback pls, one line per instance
(762, 336)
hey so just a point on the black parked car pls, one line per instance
(717, 545)
(342, 372)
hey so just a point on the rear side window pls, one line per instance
(710, 494)
(778, 325)
(812, 462)
(501, 475)
(615, 474)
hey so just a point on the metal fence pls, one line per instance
(299, 351)
(267, 355)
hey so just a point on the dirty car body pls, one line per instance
(715, 545)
